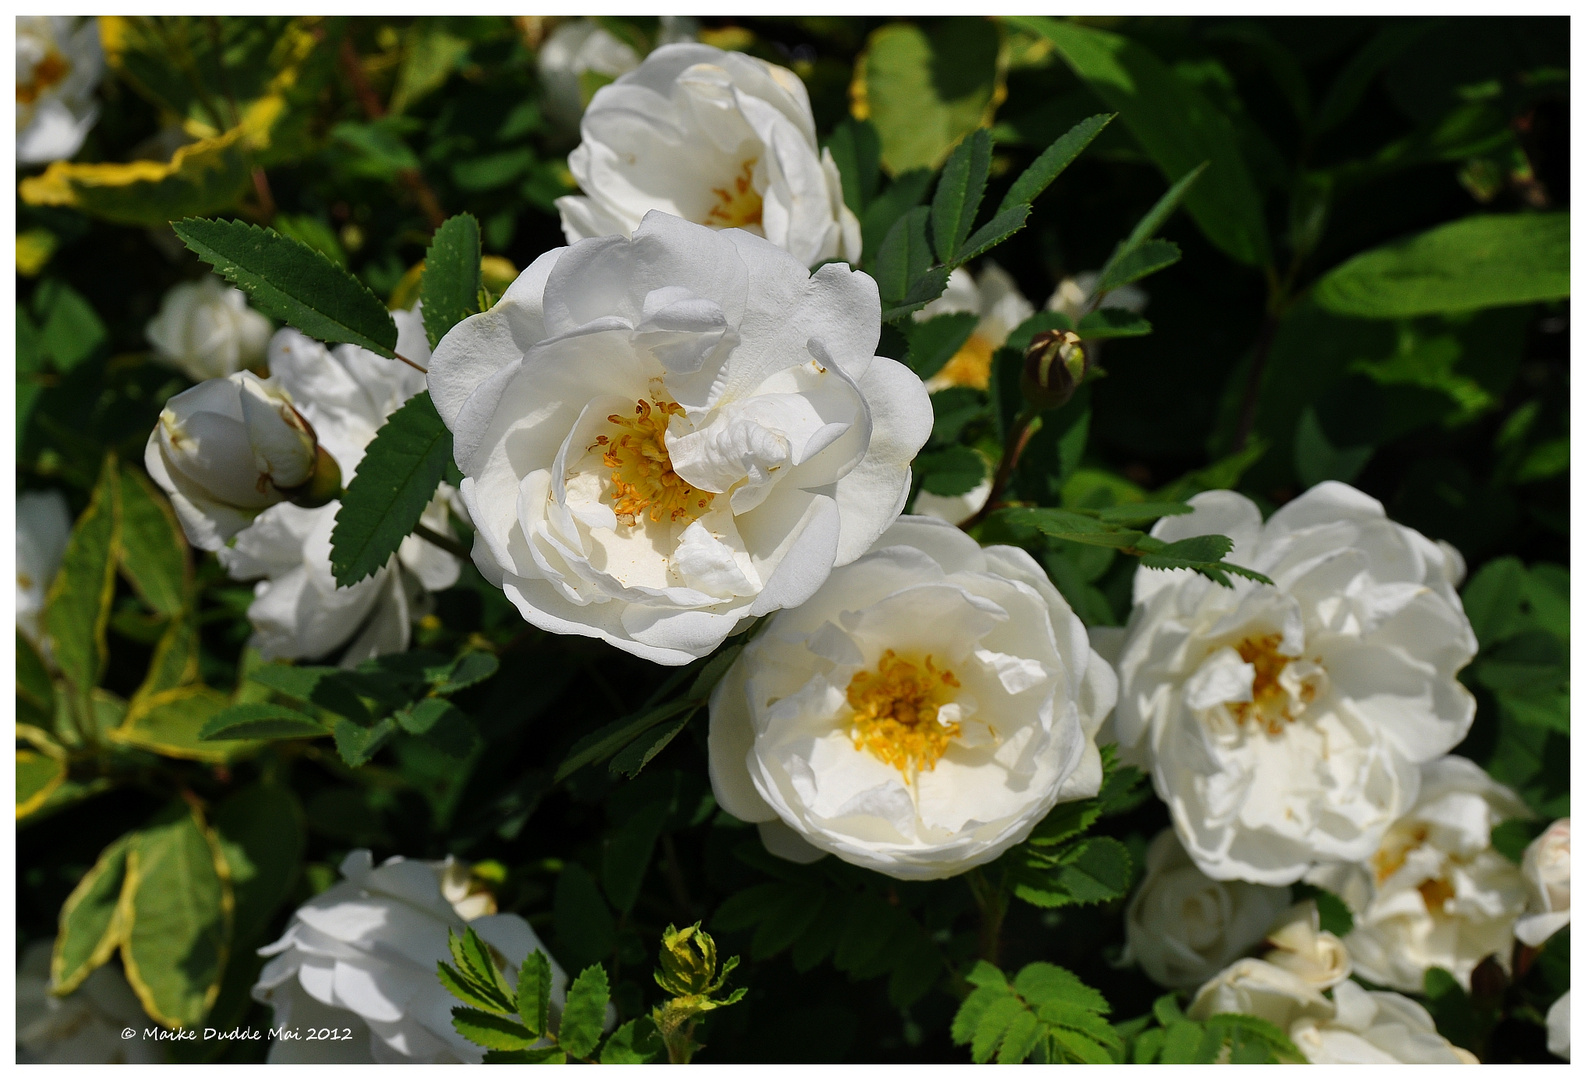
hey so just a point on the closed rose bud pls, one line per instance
(207, 331)
(229, 448)
(1054, 366)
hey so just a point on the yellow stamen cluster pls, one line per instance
(1435, 892)
(895, 709)
(970, 365)
(641, 469)
(1269, 704)
(1395, 849)
(46, 73)
(738, 203)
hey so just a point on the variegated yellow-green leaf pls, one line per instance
(38, 775)
(168, 724)
(88, 930)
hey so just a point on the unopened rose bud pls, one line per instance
(1054, 366)
(207, 330)
(228, 449)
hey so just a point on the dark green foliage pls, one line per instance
(1046, 1014)
(451, 276)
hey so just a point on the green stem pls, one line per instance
(1018, 437)
(445, 543)
(992, 899)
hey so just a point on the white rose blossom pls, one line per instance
(299, 612)
(59, 63)
(718, 138)
(1558, 1027)
(1546, 871)
(228, 449)
(206, 330)
(84, 1027)
(1435, 893)
(1182, 927)
(918, 715)
(663, 436)
(1354, 1026)
(1285, 724)
(44, 525)
(363, 955)
(1073, 295)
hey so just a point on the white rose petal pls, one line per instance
(573, 48)
(44, 524)
(1298, 944)
(206, 330)
(718, 138)
(1436, 893)
(1073, 295)
(299, 612)
(918, 715)
(1546, 870)
(84, 1027)
(226, 450)
(1558, 1027)
(59, 63)
(1182, 927)
(1285, 723)
(363, 955)
(994, 297)
(665, 435)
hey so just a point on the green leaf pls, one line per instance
(396, 480)
(922, 290)
(38, 776)
(491, 1031)
(904, 257)
(958, 193)
(88, 930)
(175, 916)
(1147, 259)
(79, 599)
(635, 1043)
(463, 987)
(935, 341)
(534, 993)
(170, 724)
(903, 194)
(1112, 323)
(1485, 260)
(606, 741)
(627, 856)
(584, 1015)
(856, 150)
(475, 960)
(260, 831)
(69, 329)
(631, 759)
(290, 281)
(585, 929)
(1175, 124)
(450, 289)
(357, 743)
(261, 720)
(380, 152)
(1053, 160)
(469, 669)
(441, 724)
(952, 471)
(1046, 1006)
(548, 1055)
(999, 228)
(926, 91)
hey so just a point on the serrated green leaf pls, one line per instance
(463, 988)
(967, 1019)
(904, 256)
(476, 960)
(260, 720)
(627, 855)
(952, 471)
(1104, 323)
(959, 192)
(905, 192)
(357, 744)
(1142, 261)
(856, 150)
(489, 1030)
(935, 341)
(994, 1022)
(450, 288)
(1003, 225)
(585, 1012)
(1041, 983)
(604, 742)
(469, 669)
(153, 550)
(548, 1055)
(534, 993)
(290, 281)
(635, 1043)
(1053, 160)
(1021, 1038)
(1485, 260)
(585, 929)
(631, 759)
(396, 480)
(1141, 513)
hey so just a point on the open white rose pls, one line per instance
(718, 138)
(59, 62)
(1558, 1027)
(299, 611)
(363, 955)
(226, 450)
(994, 297)
(206, 330)
(1435, 893)
(919, 715)
(1182, 927)
(44, 524)
(1355, 1026)
(664, 436)
(1285, 724)
(1546, 870)
(84, 1027)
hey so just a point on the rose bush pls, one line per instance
(1285, 724)
(663, 436)
(918, 715)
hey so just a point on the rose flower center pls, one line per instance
(1273, 702)
(970, 365)
(47, 72)
(737, 202)
(896, 709)
(642, 477)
